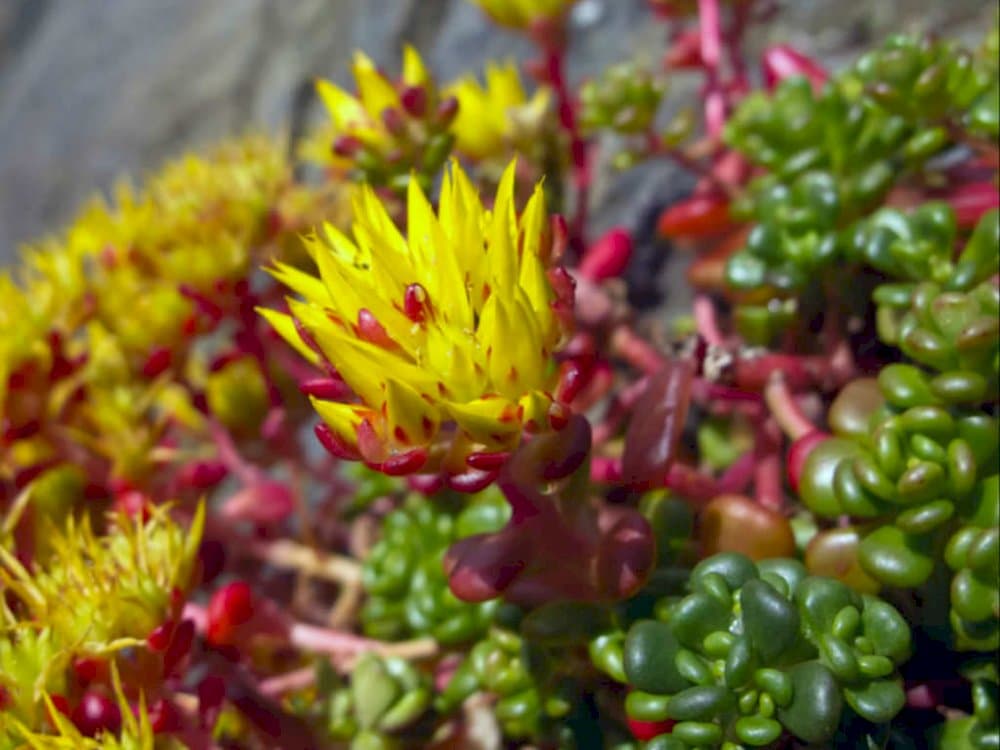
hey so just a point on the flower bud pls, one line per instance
(96, 713)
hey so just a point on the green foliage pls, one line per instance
(407, 588)
(755, 650)
(831, 157)
(530, 698)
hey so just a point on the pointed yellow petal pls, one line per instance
(344, 109)
(343, 419)
(377, 94)
(435, 265)
(486, 420)
(412, 420)
(535, 409)
(286, 329)
(414, 71)
(502, 237)
(504, 85)
(305, 285)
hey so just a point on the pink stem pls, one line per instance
(288, 682)
(710, 29)
(706, 320)
(691, 483)
(627, 344)
(553, 45)
(738, 475)
(734, 44)
(768, 471)
(785, 409)
(246, 472)
(324, 641)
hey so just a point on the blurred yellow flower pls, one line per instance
(99, 594)
(388, 128)
(446, 335)
(523, 13)
(493, 118)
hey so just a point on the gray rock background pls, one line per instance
(92, 89)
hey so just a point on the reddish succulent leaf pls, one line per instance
(481, 567)
(782, 61)
(698, 216)
(657, 422)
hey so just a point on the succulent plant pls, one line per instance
(755, 650)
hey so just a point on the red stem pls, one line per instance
(706, 321)
(552, 43)
(734, 45)
(710, 30)
(768, 471)
(785, 409)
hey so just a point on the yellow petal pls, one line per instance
(303, 284)
(502, 237)
(414, 71)
(344, 109)
(343, 419)
(412, 420)
(285, 327)
(377, 94)
(486, 420)
(434, 264)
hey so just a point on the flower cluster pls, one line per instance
(445, 337)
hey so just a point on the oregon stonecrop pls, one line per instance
(446, 336)
(381, 455)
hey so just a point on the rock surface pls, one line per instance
(92, 90)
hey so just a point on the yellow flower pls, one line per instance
(388, 128)
(99, 594)
(445, 335)
(495, 118)
(523, 13)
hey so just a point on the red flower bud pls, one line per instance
(88, 669)
(400, 464)
(369, 329)
(164, 717)
(346, 146)
(414, 100)
(487, 461)
(426, 484)
(416, 303)
(159, 638)
(229, 607)
(157, 362)
(472, 481)
(97, 713)
(334, 444)
(394, 121)
(647, 730)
